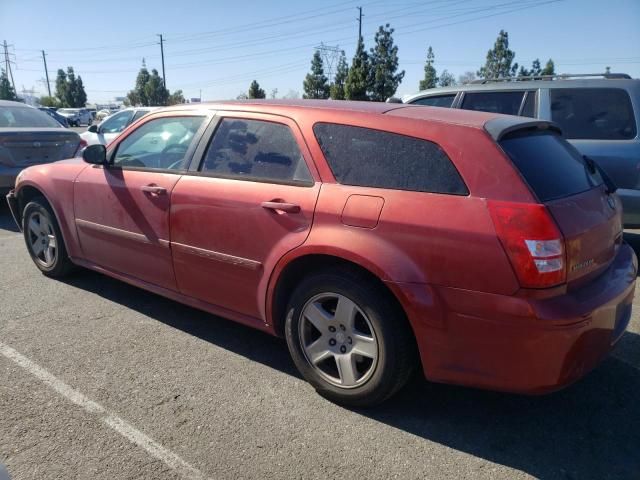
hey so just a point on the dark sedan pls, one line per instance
(30, 137)
(55, 115)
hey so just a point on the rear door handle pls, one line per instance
(154, 189)
(281, 206)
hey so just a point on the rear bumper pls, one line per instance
(527, 345)
(8, 177)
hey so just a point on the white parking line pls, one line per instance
(125, 429)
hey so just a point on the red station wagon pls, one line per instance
(374, 237)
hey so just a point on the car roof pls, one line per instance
(9, 103)
(295, 107)
(528, 85)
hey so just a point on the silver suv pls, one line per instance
(599, 116)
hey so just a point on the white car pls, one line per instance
(76, 116)
(113, 125)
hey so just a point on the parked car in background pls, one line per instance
(112, 126)
(599, 116)
(374, 238)
(102, 114)
(55, 115)
(30, 137)
(76, 116)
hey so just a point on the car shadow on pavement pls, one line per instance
(590, 430)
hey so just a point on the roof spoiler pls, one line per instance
(499, 127)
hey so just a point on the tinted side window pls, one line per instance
(255, 149)
(161, 143)
(593, 113)
(139, 114)
(529, 107)
(495, 102)
(116, 123)
(373, 158)
(549, 164)
(436, 101)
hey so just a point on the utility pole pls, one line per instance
(164, 78)
(8, 64)
(359, 23)
(46, 72)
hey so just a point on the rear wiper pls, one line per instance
(593, 167)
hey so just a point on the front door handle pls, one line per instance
(281, 206)
(154, 189)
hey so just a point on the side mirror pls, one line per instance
(93, 129)
(95, 154)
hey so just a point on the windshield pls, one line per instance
(25, 117)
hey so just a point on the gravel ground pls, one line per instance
(212, 399)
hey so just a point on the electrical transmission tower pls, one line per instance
(330, 57)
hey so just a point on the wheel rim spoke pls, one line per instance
(318, 351)
(34, 226)
(365, 346)
(317, 315)
(346, 311)
(48, 255)
(347, 369)
(52, 241)
(37, 247)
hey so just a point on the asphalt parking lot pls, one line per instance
(101, 380)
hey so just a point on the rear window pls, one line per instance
(495, 102)
(549, 164)
(373, 158)
(25, 117)
(436, 101)
(593, 113)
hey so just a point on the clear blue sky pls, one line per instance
(219, 46)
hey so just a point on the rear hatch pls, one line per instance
(588, 215)
(22, 147)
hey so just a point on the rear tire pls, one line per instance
(44, 240)
(348, 338)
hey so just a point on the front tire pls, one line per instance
(44, 240)
(348, 338)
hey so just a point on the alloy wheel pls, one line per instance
(42, 239)
(338, 340)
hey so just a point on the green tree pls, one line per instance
(549, 68)
(466, 77)
(316, 84)
(342, 71)
(48, 101)
(255, 91)
(61, 87)
(154, 90)
(384, 65)
(79, 94)
(430, 79)
(175, 98)
(356, 86)
(70, 91)
(499, 63)
(138, 95)
(6, 89)
(446, 79)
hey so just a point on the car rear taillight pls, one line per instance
(81, 146)
(533, 242)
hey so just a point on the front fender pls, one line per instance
(55, 182)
